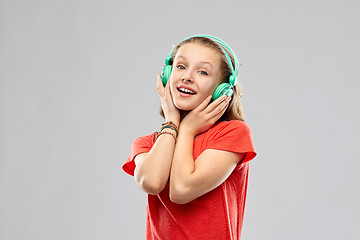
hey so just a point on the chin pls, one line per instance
(184, 107)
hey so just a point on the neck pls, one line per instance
(183, 114)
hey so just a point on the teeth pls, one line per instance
(186, 90)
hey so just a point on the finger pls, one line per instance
(159, 86)
(212, 106)
(217, 115)
(221, 108)
(204, 104)
(167, 92)
(167, 87)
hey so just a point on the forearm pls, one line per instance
(183, 165)
(153, 168)
(191, 179)
(152, 171)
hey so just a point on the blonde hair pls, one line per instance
(234, 111)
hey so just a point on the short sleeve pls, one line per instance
(234, 136)
(139, 145)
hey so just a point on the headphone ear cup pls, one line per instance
(223, 89)
(165, 74)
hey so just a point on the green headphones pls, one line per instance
(224, 88)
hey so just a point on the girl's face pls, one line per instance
(195, 75)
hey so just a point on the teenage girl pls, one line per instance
(195, 168)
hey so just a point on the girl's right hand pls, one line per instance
(171, 112)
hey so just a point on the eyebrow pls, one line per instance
(202, 62)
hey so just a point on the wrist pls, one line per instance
(174, 120)
(171, 128)
(183, 129)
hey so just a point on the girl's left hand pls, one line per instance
(205, 115)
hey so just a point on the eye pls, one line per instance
(180, 66)
(202, 72)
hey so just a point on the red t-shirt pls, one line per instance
(217, 214)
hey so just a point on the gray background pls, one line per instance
(77, 86)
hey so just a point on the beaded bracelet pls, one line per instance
(165, 132)
(171, 123)
(171, 127)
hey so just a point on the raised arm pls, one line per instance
(190, 179)
(153, 168)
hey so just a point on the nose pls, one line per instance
(187, 77)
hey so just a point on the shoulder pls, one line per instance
(145, 140)
(143, 144)
(140, 145)
(231, 127)
(233, 136)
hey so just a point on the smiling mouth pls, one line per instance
(186, 91)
